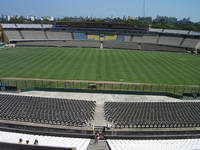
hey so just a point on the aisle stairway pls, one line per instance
(102, 145)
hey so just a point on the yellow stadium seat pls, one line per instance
(106, 37)
(93, 37)
(1, 35)
(198, 45)
(110, 37)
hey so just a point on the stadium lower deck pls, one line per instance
(96, 109)
(68, 111)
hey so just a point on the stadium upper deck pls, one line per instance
(91, 27)
(114, 36)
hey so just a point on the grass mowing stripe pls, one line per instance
(69, 60)
(180, 64)
(12, 61)
(186, 68)
(17, 63)
(144, 66)
(49, 69)
(141, 68)
(74, 63)
(56, 71)
(39, 64)
(91, 66)
(112, 67)
(149, 69)
(82, 66)
(43, 63)
(104, 65)
(162, 70)
(108, 67)
(175, 70)
(96, 64)
(126, 67)
(122, 72)
(62, 69)
(115, 74)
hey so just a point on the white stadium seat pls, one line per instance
(52, 141)
(172, 144)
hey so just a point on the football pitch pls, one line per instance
(100, 65)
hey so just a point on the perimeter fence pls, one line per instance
(21, 84)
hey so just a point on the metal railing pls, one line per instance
(98, 85)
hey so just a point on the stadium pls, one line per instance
(62, 83)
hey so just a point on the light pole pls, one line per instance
(144, 8)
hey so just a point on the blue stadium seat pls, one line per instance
(120, 37)
(79, 36)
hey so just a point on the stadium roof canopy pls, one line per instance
(26, 26)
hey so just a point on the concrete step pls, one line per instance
(102, 145)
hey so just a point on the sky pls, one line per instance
(102, 8)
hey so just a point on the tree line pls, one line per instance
(178, 25)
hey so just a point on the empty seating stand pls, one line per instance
(49, 35)
(170, 40)
(33, 34)
(59, 35)
(145, 39)
(153, 115)
(121, 45)
(190, 42)
(46, 110)
(67, 43)
(13, 34)
(156, 47)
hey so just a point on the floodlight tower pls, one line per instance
(144, 8)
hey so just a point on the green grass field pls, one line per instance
(101, 65)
